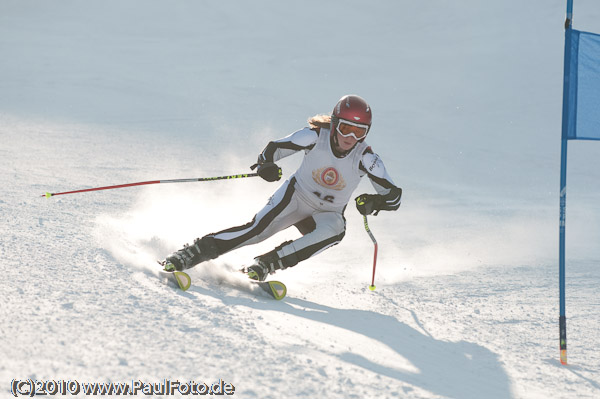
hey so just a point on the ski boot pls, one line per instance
(203, 249)
(167, 266)
(263, 266)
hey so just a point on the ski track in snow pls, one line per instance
(466, 304)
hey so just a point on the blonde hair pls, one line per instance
(320, 121)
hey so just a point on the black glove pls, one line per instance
(367, 203)
(268, 171)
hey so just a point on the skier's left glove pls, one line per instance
(367, 203)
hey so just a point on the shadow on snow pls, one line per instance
(451, 369)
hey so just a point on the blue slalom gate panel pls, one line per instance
(583, 121)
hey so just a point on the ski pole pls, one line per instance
(142, 183)
(372, 286)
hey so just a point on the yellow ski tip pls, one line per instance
(183, 280)
(48, 195)
(278, 289)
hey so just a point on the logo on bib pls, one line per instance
(329, 177)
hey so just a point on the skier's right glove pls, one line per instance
(268, 171)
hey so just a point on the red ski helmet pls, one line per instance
(352, 110)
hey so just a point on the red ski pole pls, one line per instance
(142, 183)
(372, 286)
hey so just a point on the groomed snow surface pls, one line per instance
(467, 103)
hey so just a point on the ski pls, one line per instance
(181, 280)
(176, 279)
(276, 289)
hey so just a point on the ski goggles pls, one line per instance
(350, 129)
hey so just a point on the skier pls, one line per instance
(313, 199)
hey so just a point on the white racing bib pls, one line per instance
(326, 180)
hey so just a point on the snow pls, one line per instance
(467, 108)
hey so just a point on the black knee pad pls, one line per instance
(306, 226)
